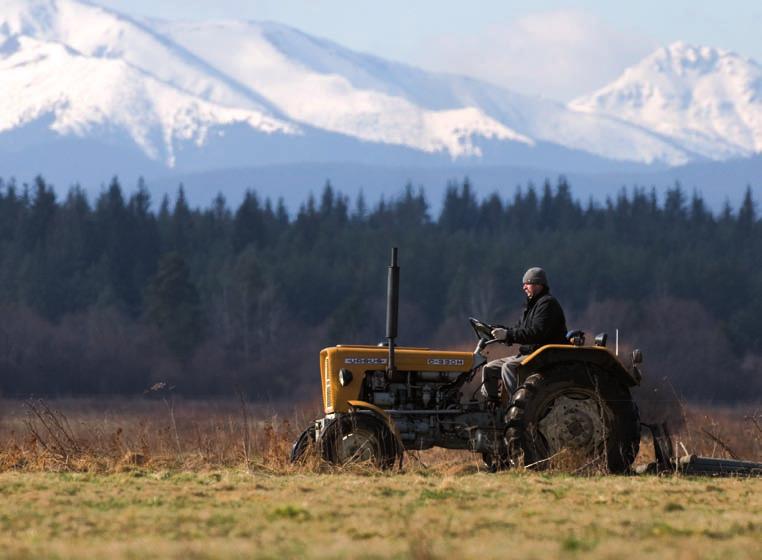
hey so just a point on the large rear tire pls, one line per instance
(360, 438)
(575, 417)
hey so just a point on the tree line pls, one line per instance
(112, 294)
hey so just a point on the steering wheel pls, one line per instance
(482, 329)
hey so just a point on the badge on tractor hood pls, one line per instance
(365, 361)
(446, 362)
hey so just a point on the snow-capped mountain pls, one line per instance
(322, 85)
(176, 87)
(329, 87)
(110, 70)
(707, 100)
(87, 93)
(93, 71)
(86, 88)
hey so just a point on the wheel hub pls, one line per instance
(573, 423)
(357, 447)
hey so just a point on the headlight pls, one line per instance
(345, 377)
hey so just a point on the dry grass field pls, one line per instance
(233, 513)
(210, 479)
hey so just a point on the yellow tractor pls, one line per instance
(573, 403)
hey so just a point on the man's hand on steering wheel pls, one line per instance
(502, 334)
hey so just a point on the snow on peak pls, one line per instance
(88, 94)
(315, 82)
(158, 82)
(708, 99)
(94, 70)
(22, 17)
(690, 55)
(265, 69)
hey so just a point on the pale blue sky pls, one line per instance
(527, 46)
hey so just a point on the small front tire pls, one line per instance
(303, 444)
(360, 438)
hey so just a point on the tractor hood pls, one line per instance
(406, 358)
(358, 360)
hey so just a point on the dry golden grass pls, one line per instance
(114, 435)
(118, 434)
(210, 479)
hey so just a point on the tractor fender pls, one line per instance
(381, 414)
(552, 354)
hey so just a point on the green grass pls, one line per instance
(233, 514)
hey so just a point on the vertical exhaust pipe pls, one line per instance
(392, 307)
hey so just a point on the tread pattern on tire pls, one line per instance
(622, 446)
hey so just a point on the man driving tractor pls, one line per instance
(543, 322)
(382, 400)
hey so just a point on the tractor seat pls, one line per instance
(576, 338)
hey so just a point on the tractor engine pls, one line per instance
(427, 408)
(413, 390)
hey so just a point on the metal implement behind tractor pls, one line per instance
(572, 404)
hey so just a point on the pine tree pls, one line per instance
(411, 211)
(460, 210)
(182, 238)
(327, 200)
(144, 241)
(747, 213)
(360, 213)
(491, 213)
(281, 214)
(548, 217)
(116, 249)
(173, 305)
(674, 205)
(41, 214)
(248, 223)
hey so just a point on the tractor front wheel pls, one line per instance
(360, 438)
(303, 444)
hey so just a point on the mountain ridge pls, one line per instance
(301, 81)
(172, 98)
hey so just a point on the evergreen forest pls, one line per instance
(112, 294)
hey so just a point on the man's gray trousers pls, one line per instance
(502, 368)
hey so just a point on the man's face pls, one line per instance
(532, 290)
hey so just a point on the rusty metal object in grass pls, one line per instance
(690, 464)
(718, 441)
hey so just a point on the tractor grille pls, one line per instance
(327, 374)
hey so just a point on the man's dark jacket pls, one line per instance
(543, 323)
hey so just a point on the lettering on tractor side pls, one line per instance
(445, 362)
(365, 361)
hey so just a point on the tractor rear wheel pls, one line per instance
(573, 416)
(360, 438)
